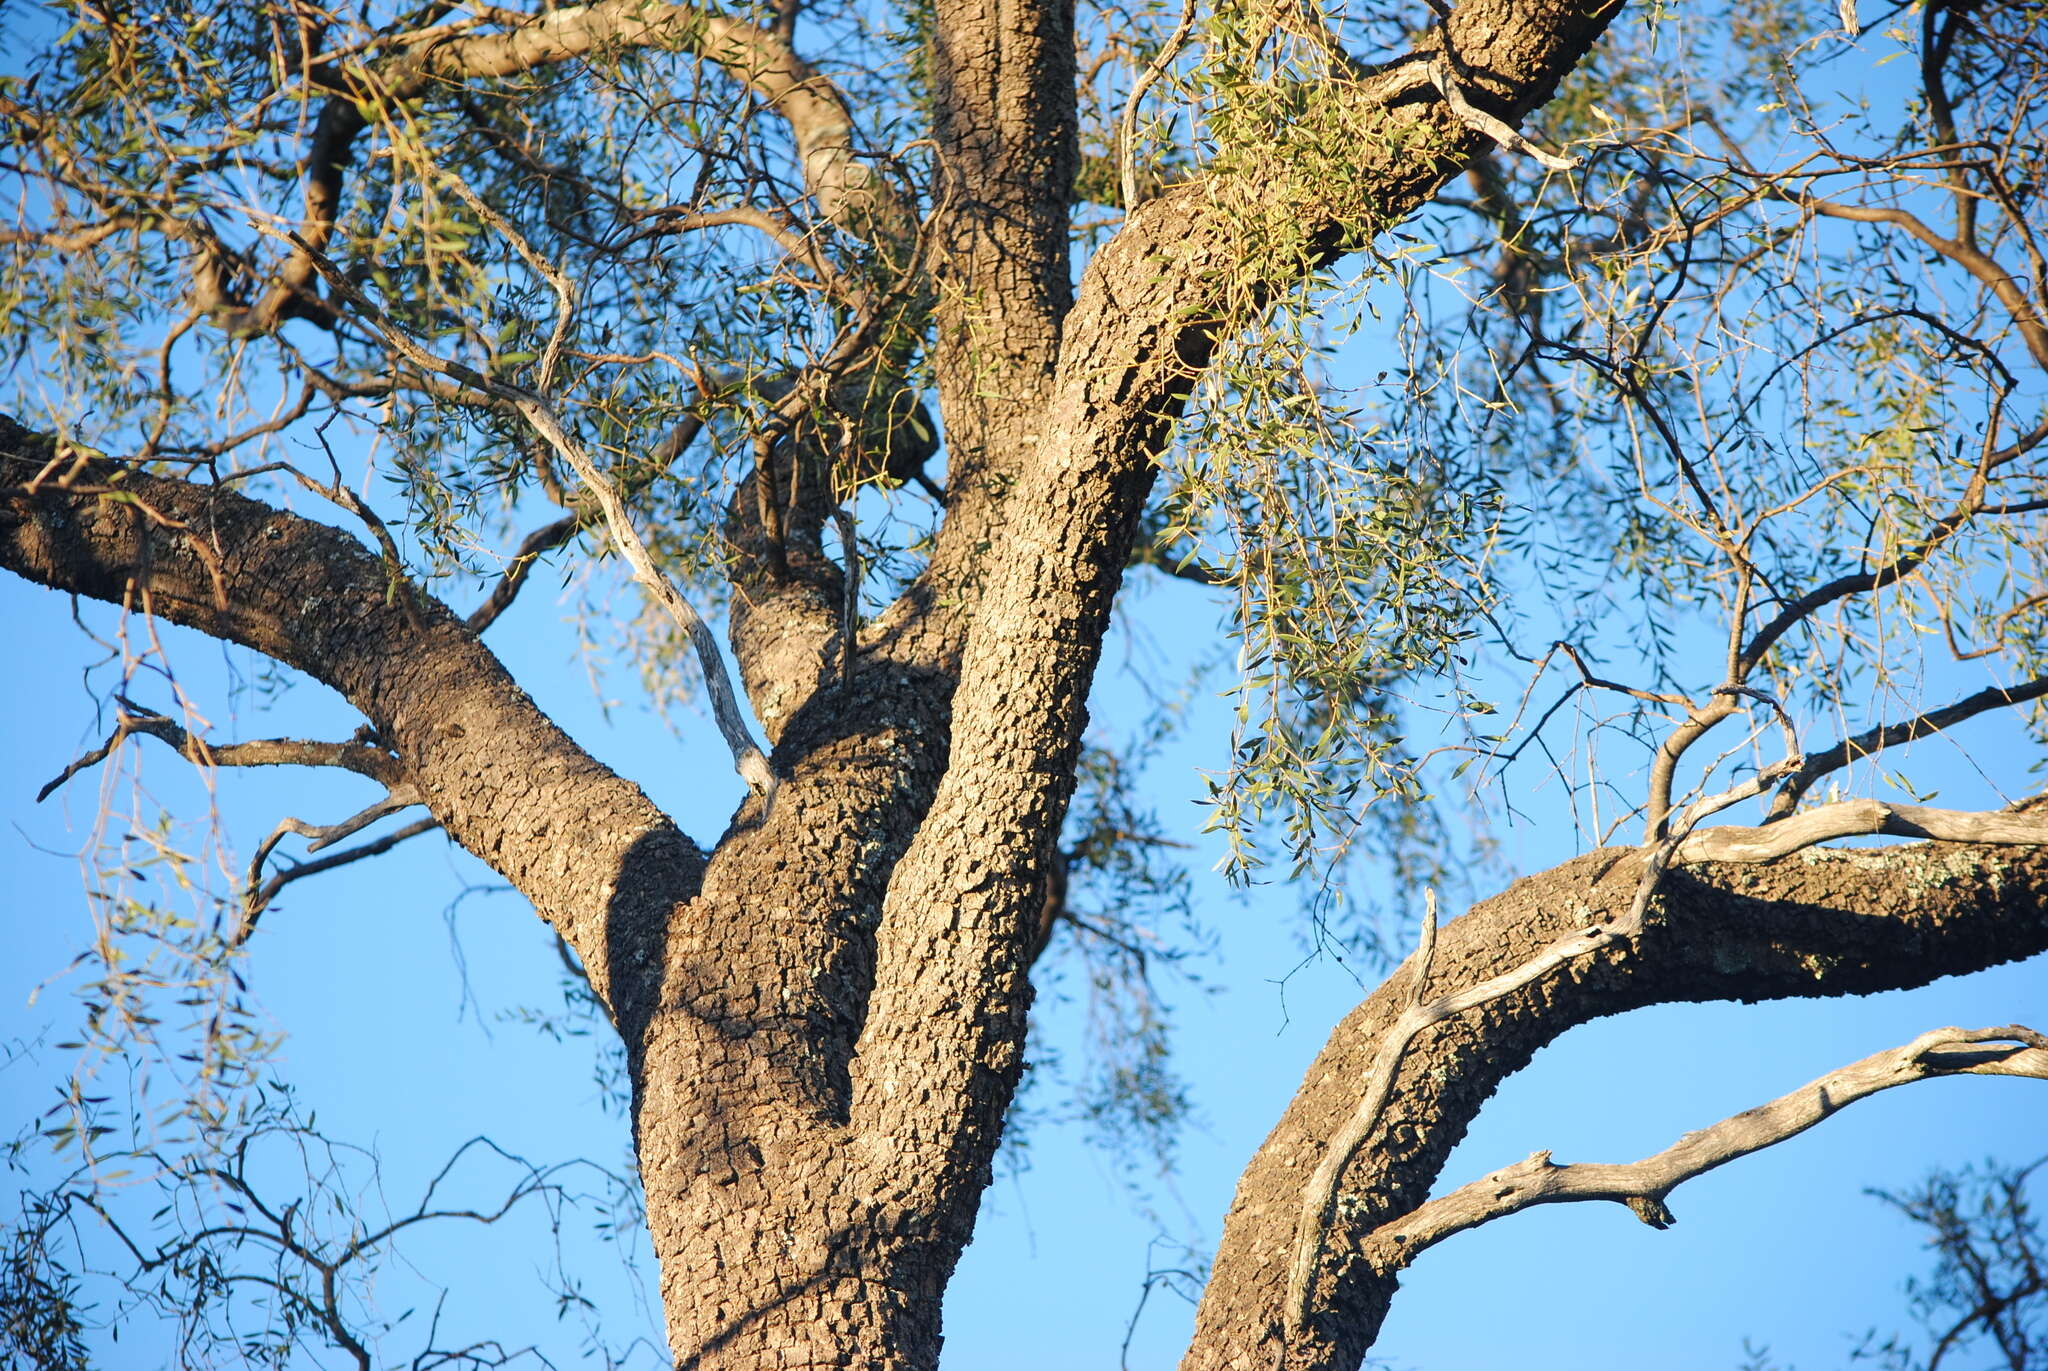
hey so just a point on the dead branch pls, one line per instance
(1479, 121)
(1321, 1195)
(258, 892)
(1859, 818)
(258, 899)
(1642, 1185)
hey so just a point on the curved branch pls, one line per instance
(1859, 818)
(1874, 740)
(546, 538)
(483, 756)
(1642, 1185)
(849, 192)
(1831, 923)
(258, 900)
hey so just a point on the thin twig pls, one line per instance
(1127, 165)
(752, 765)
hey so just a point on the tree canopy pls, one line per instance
(1634, 409)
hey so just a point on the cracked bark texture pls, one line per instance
(824, 1010)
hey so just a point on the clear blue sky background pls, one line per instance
(358, 967)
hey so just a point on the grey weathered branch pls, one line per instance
(319, 836)
(1126, 151)
(753, 766)
(1320, 1195)
(1319, 1198)
(1643, 1185)
(257, 898)
(1859, 818)
(1479, 121)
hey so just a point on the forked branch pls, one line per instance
(1643, 1185)
(259, 892)
(357, 755)
(747, 757)
(257, 898)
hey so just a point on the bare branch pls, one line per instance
(1642, 1185)
(550, 536)
(1874, 740)
(1859, 818)
(1320, 1197)
(258, 892)
(1127, 164)
(753, 766)
(258, 900)
(358, 756)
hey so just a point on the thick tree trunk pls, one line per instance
(824, 1017)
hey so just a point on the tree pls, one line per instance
(1743, 394)
(1987, 1282)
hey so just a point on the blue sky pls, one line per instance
(394, 1011)
(359, 968)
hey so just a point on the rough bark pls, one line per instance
(824, 1017)
(1817, 923)
(823, 1037)
(595, 856)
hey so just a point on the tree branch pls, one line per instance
(546, 538)
(2003, 284)
(1831, 923)
(1874, 740)
(1643, 1185)
(848, 191)
(258, 898)
(507, 783)
(1858, 818)
(359, 756)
